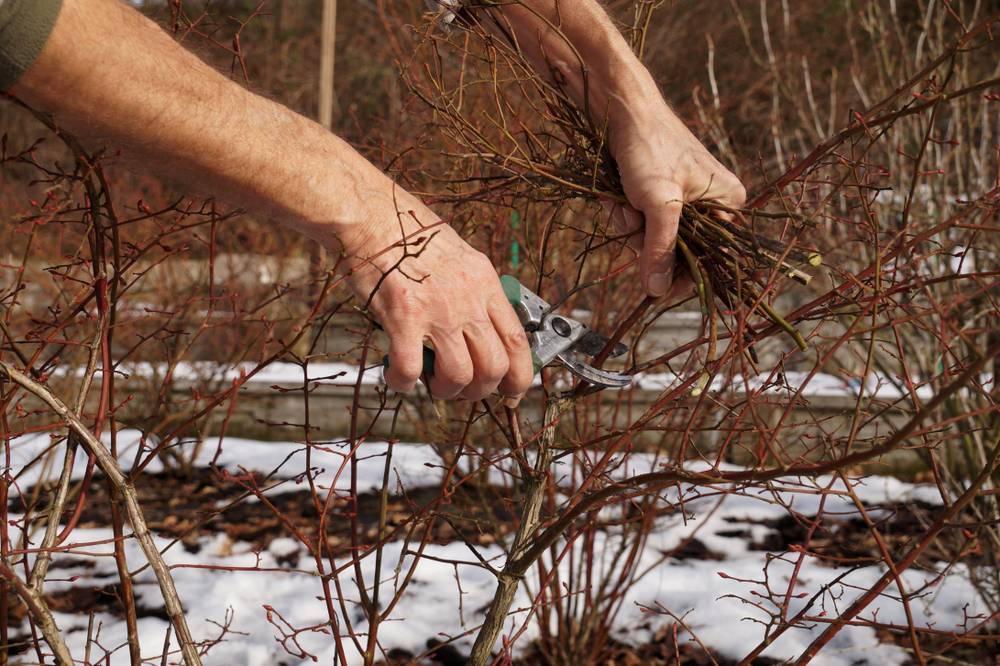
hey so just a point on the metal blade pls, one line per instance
(591, 375)
(592, 342)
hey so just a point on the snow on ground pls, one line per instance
(446, 600)
(289, 375)
(277, 373)
(809, 385)
(330, 460)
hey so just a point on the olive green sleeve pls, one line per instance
(25, 26)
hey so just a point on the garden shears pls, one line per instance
(554, 338)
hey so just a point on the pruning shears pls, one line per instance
(554, 338)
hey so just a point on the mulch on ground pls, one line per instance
(206, 503)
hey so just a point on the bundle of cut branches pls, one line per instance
(536, 143)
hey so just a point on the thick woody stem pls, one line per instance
(509, 578)
(40, 613)
(126, 490)
(41, 567)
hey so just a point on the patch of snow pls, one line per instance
(226, 582)
(285, 375)
(412, 464)
(283, 547)
(290, 376)
(808, 385)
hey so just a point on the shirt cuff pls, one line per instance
(25, 26)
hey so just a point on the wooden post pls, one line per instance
(326, 63)
(327, 99)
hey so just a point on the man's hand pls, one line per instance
(431, 287)
(662, 164)
(166, 107)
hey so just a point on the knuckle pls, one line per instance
(478, 326)
(405, 305)
(411, 370)
(479, 265)
(484, 261)
(672, 192)
(657, 248)
(447, 327)
(496, 370)
(658, 264)
(666, 191)
(737, 191)
(405, 371)
(459, 376)
(398, 385)
(514, 337)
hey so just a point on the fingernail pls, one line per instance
(659, 284)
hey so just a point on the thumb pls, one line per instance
(656, 263)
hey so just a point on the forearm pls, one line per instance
(577, 39)
(107, 71)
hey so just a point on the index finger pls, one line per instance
(521, 371)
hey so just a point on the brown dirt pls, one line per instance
(206, 503)
(839, 541)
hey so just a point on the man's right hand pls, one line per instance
(169, 109)
(433, 288)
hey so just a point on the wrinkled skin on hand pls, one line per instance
(663, 166)
(433, 288)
